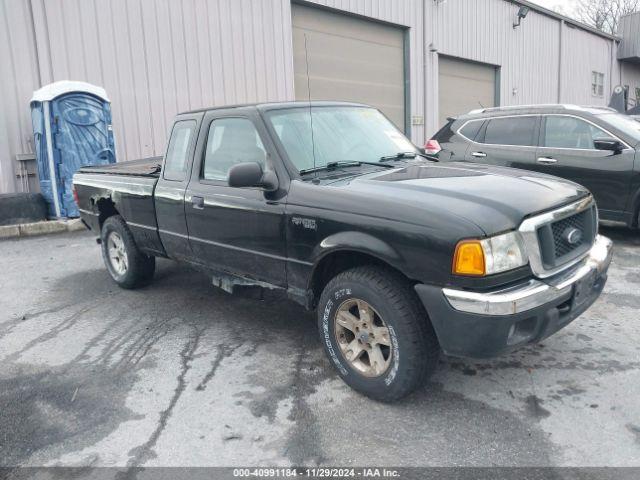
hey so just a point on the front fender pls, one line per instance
(356, 241)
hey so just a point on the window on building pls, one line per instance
(231, 141)
(511, 131)
(597, 84)
(175, 164)
(571, 132)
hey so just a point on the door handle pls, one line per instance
(547, 160)
(197, 202)
(478, 154)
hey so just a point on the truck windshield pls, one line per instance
(623, 123)
(353, 134)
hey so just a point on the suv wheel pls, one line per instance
(376, 333)
(127, 265)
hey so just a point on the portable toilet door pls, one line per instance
(72, 128)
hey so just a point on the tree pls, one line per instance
(604, 14)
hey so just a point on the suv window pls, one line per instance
(471, 129)
(231, 141)
(511, 131)
(571, 132)
(175, 164)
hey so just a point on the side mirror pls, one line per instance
(250, 174)
(610, 144)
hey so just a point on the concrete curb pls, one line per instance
(41, 228)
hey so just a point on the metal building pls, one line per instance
(418, 60)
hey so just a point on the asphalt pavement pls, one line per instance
(183, 374)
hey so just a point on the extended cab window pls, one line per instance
(511, 131)
(231, 141)
(175, 163)
(571, 132)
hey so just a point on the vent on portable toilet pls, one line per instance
(71, 128)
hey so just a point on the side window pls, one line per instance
(231, 141)
(511, 131)
(471, 129)
(175, 163)
(571, 132)
(597, 84)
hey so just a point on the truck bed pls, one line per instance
(144, 167)
(127, 188)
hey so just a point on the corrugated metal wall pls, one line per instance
(158, 57)
(155, 58)
(629, 28)
(582, 54)
(529, 56)
(19, 77)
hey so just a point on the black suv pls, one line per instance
(593, 146)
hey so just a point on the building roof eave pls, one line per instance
(558, 16)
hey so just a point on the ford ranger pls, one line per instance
(402, 257)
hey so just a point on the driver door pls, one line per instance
(235, 230)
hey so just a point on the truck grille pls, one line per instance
(559, 238)
(560, 229)
(568, 238)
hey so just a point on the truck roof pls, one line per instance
(277, 105)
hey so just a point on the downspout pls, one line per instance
(560, 62)
(425, 92)
(427, 59)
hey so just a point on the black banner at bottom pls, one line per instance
(368, 473)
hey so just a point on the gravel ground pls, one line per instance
(183, 374)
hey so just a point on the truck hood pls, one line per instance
(494, 198)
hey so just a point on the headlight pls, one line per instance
(491, 255)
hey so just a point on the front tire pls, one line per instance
(127, 265)
(376, 333)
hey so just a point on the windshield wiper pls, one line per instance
(343, 163)
(406, 155)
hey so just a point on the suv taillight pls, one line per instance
(432, 147)
(75, 195)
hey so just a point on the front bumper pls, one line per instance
(486, 324)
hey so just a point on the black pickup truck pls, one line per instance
(402, 257)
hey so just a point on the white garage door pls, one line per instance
(464, 86)
(350, 59)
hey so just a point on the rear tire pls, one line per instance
(127, 265)
(376, 333)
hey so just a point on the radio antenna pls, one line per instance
(313, 143)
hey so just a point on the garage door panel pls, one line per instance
(334, 69)
(349, 59)
(317, 20)
(464, 69)
(326, 88)
(385, 67)
(464, 86)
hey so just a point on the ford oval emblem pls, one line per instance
(572, 236)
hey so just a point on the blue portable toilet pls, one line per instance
(71, 128)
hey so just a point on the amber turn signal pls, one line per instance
(469, 258)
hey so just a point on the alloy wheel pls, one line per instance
(363, 337)
(117, 253)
